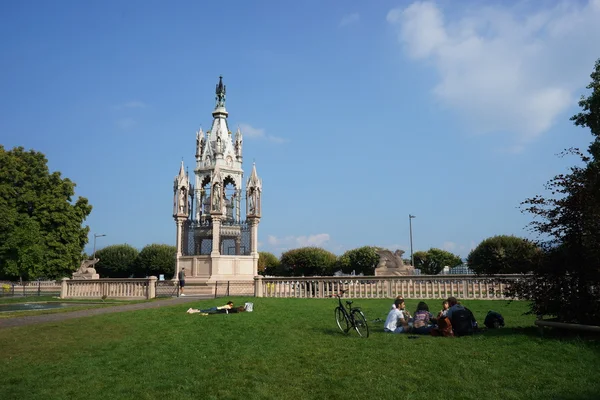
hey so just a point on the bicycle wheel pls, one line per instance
(342, 321)
(360, 323)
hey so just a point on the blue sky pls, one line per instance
(356, 113)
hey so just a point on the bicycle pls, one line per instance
(349, 317)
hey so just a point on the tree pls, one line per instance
(361, 260)
(268, 263)
(40, 226)
(308, 261)
(432, 261)
(156, 259)
(567, 282)
(116, 261)
(504, 254)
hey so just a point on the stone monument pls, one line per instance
(86, 270)
(391, 264)
(217, 220)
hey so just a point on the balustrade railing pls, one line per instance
(413, 286)
(130, 288)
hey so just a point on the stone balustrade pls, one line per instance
(413, 286)
(128, 288)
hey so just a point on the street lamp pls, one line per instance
(412, 258)
(96, 236)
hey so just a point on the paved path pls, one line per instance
(38, 319)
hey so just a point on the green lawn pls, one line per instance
(289, 349)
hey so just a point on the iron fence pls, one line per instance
(29, 288)
(233, 288)
(166, 289)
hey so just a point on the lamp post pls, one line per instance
(412, 258)
(96, 236)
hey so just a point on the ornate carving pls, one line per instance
(391, 263)
(86, 270)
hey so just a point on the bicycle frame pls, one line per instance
(352, 317)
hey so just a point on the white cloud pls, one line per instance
(131, 104)
(349, 19)
(449, 246)
(125, 123)
(505, 68)
(251, 132)
(298, 241)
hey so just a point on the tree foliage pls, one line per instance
(360, 260)
(268, 263)
(504, 254)
(567, 282)
(308, 261)
(116, 261)
(156, 259)
(40, 227)
(432, 261)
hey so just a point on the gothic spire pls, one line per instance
(220, 92)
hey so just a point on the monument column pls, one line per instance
(216, 231)
(253, 221)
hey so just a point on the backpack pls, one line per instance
(463, 322)
(493, 320)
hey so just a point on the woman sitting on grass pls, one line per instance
(423, 319)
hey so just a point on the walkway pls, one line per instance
(39, 319)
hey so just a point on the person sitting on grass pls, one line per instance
(397, 320)
(213, 310)
(444, 310)
(423, 319)
(399, 297)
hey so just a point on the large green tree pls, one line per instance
(41, 233)
(268, 263)
(156, 259)
(567, 282)
(504, 254)
(432, 261)
(308, 261)
(360, 260)
(117, 261)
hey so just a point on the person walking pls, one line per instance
(181, 278)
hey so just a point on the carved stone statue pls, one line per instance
(392, 264)
(251, 203)
(182, 200)
(86, 270)
(216, 199)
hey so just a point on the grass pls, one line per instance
(289, 349)
(85, 305)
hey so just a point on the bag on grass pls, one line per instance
(493, 320)
(249, 307)
(463, 322)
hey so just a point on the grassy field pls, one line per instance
(289, 349)
(82, 304)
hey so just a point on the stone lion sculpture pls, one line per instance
(86, 270)
(391, 263)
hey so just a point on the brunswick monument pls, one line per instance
(217, 221)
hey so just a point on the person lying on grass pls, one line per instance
(227, 308)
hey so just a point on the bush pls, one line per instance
(268, 263)
(156, 259)
(308, 261)
(361, 260)
(504, 255)
(116, 261)
(432, 261)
